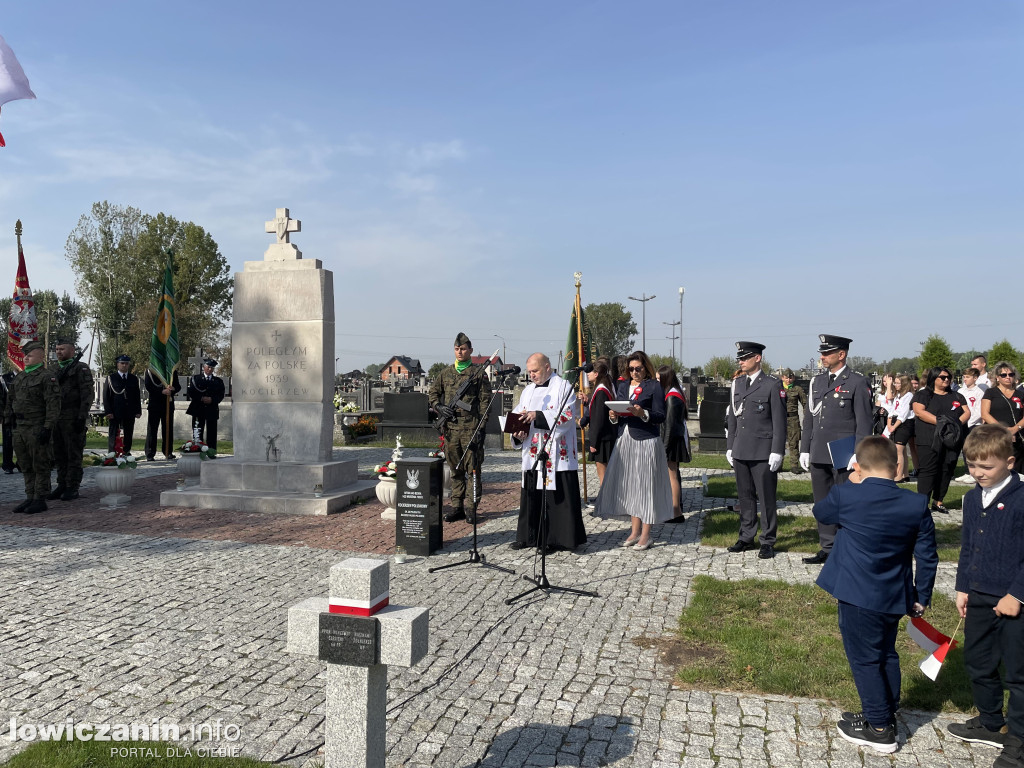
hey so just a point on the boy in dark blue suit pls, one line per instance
(881, 527)
(989, 591)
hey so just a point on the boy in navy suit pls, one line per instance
(881, 527)
(989, 591)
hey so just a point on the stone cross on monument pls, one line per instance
(281, 226)
(358, 634)
(195, 363)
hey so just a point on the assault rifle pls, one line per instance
(447, 412)
(69, 366)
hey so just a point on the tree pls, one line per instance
(659, 360)
(720, 366)
(1002, 351)
(373, 369)
(435, 370)
(865, 365)
(119, 253)
(611, 327)
(936, 352)
(900, 365)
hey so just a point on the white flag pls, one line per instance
(13, 83)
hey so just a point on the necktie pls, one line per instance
(831, 379)
(750, 380)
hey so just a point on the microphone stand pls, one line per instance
(541, 583)
(476, 557)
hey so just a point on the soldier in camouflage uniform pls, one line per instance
(462, 424)
(795, 401)
(76, 390)
(34, 405)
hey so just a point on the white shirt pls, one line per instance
(973, 397)
(983, 382)
(988, 495)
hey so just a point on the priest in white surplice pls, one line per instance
(555, 431)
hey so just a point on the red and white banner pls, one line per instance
(23, 326)
(933, 641)
(13, 82)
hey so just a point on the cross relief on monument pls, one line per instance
(282, 225)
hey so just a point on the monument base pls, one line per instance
(274, 487)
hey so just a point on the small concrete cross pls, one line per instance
(358, 634)
(282, 225)
(196, 361)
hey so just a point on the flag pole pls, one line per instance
(582, 381)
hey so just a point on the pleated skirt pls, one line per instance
(636, 482)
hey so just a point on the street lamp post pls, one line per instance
(681, 292)
(673, 337)
(643, 303)
(503, 360)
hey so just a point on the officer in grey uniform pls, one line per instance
(76, 390)
(838, 405)
(33, 407)
(461, 425)
(756, 443)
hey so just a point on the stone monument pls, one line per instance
(282, 363)
(358, 634)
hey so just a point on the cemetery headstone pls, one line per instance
(418, 524)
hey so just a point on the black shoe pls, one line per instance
(680, 519)
(151, 458)
(454, 515)
(8, 471)
(56, 493)
(21, 507)
(938, 506)
(471, 517)
(37, 506)
(548, 550)
(171, 456)
(1012, 755)
(860, 732)
(976, 733)
(69, 494)
(767, 552)
(817, 559)
(912, 474)
(517, 545)
(741, 546)
(858, 717)
(797, 471)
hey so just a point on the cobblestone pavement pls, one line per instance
(129, 616)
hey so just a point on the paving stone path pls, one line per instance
(180, 615)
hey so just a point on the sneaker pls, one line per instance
(864, 735)
(858, 717)
(966, 479)
(976, 733)
(1012, 755)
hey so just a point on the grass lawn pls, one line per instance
(97, 441)
(149, 754)
(720, 487)
(717, 461)
(773, 637)
(799, 533)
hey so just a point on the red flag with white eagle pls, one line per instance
(933, 641)
(23, 325)
(13, 82)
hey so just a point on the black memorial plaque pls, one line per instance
(350, 640)
(418, 522)
(712, 419)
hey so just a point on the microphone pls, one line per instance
(585, 368)
(512, 370)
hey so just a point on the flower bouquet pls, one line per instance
(119, 460)
(197, 446)
(437, 453)
(349, 408)
(387, 469)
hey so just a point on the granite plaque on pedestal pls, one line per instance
(418, 522)
(350, 640)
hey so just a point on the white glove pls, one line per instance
(774, 462)
(805, 462)
(728, 457)
(852, 460)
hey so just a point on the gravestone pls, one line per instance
(712, 419)
(418, 525)
(282, 352)
(358, 633)
(406, 414)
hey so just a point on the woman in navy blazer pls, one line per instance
(636, 481)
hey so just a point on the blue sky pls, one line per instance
(800, 167)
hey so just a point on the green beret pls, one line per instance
(463, 339)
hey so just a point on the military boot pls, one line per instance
(22, 507)
(69, 494)
(456, 514)
(37, 506)
(56, 493)
(471, 515)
